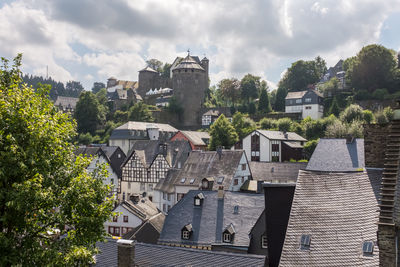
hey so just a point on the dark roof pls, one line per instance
(279, 135)
(189, 63)
(337, 156)
(148, 231)
(156, 255)
(66, 102)
(339, 211)
(131, 130)
(197, 138)
(217, 111)
(167, 184)
(148, 69)
(276, 172)
(300, 94)
(147, 150)
(202, 164)
(212, 218)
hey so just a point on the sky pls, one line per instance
(92, 40)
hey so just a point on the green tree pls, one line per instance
(281, 94)
(166, 69)
(230, 90)
(284, 124)
(97, 86)
(242, 124)
(334, 108)
(155, 64)
(88, 113)
(309, 148)
(268, 124)
(140, 112)
(373, 68)
(45, 190)
(222, 133)
(264, 106)
(351, 113)
(368, 116)
(249, 86)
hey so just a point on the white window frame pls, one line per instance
(185, 234)
(264, 241)
(227, 237)
(197, 202)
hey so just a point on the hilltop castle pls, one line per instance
(188, 82)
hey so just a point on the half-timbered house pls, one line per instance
(147, 163)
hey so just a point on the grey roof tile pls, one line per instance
(339, 211)
(276, 172)
(336, 155)
(278, 135)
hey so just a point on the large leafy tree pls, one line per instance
(88, 113)
(243, 124)
(140, 112)
(374, 67)
(222, 133)
(281, 93)
(155, 64)
(97, 86)
(249, 87)
(230, 90)
(264, 106)
(45, 191)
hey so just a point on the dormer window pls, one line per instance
(186, 232)
(198, 199)
(305, 242)
(368, 248)
(228, 234)
(207, 183)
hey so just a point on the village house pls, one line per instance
(335, 209)
(125, 135)
(276, 146)
(112, 156)
(66, 104)
(147, 163)
(197, 140)
(132, 213)
(308, 103)
(122, 93)
(207, 170)
(276, 172)
(210, 115)
(217, 220)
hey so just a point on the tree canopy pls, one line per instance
(88, 113)
(264, 106)
(230, 89)
(249, 86)
(45, 191)
(222, 133)
(140, 112)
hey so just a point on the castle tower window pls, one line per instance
(305, 242)
(186, 232)
(198, 199)
(228, 234)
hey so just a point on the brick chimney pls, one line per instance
(126, 253)
(221, 192)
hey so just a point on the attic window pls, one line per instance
(227, 238)
(183, 180)
(228, 234)
(236, 210)
(368, 248)
(305, 242)
(192, 181)
(198, 199)
(264, 241)
(186, 232)
(220, 179)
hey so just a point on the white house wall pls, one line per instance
(315, 111)
(241, 175)
(293, 109)
(122, 143)
(246, 144)
(265, 148)
(133, 220)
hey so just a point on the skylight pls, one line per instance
(368, 248)
(305, 242)
(220, 179)
(192, 181)
(183, 180)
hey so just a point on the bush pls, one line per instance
(267, 124)
(388, 111)
(380, 94)
(336, 130)
(85, 139)
(309, 148)
(362, 95)
(381, 118)
(356, 129)
(297, 128)
(284, 124)
(368, 116)
(352, 112)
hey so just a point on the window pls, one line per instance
(164, 208)
(220, 180)
(227, 238)
(113, 230)
(197, 202)
(157, 174)
(115, 219)
(142, 187)
(169, 207)
(305, 242)
(185, 235)
(125, 218)
(307, 100)
(244, 167)
(164, 196)
(169, 197)
(235, 181)
(368, 248)
(179, 196)
(298, 101)
(308, 107)
(123, 196)
(264, 241)
(119, 155)
(160, 164)
(179, 164)
(192, 181)
(236, 210)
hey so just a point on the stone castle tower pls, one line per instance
(189, 81)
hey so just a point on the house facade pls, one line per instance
(197, 140)
(276, 146)
(148, 163)
(308, 103)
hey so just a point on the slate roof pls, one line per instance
(127, 130)
(149, 69)
(148, 231)
(189, 63)
(167, 184)
(147, 150)
(156, 255)
(278, 135)
(197, 138)
(336, 155)
(202, 164)
(339, 211)
(276, 172)
(300, 94)
(212, 218)
(66, 102)
(144, 208)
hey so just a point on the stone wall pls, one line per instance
(375, 139)
(387, 245)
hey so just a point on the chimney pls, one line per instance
(285, 134)
(126, 253)
(219, 152)
(349, 139)
(221, 192)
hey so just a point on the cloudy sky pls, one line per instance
(91, 40)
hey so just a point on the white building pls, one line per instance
(262, 145)
(308, 103)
